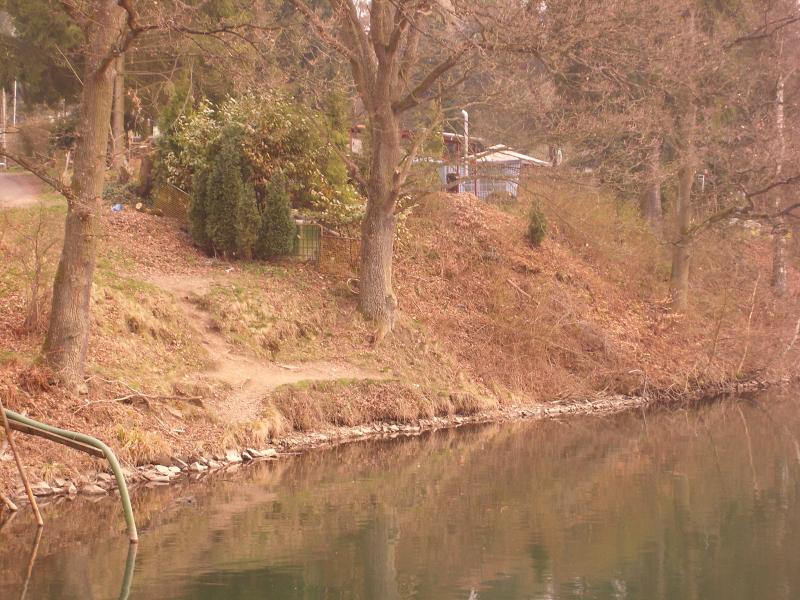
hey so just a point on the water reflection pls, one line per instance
(31, 561)
(130, 567)
(700, 504)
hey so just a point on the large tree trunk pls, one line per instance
(67, 337)
(682, 240)
(650, 201)
(780, 231)
(118, 117)
(378, 301)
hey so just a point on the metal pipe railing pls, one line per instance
(53, 433)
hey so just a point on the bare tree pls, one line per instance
(66, 343)
(655, 94)
(402, 53)
(784, 46)
(109, 28)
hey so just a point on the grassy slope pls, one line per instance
(486, 321)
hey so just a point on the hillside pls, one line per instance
(190, 355)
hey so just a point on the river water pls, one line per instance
(699, 504)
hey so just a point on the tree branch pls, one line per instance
(321, 30)
(414, 97)
(781, 182)
(39, 172)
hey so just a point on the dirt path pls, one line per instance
(18, 190)
(251, 379)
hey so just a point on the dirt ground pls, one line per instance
(18, 190)
(250, 379)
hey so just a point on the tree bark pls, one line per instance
(682, 241)
(67, 337)
(650, 201)
(387, 71)
(118, 117)
(145, 177)
(377, 299)
(780, 231)
(780, 241)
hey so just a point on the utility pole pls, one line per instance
(14, 107)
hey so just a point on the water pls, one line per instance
(684, 505)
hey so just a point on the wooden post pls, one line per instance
(20, 467)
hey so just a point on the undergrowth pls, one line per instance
(348, 403)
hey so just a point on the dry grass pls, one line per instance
(586, 311)
(485, 320)
(348, 403)
(279, 319)
(140, 334)
(140, 446)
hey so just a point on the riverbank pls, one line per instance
(587, 500)
(193, 357)
(196, 467)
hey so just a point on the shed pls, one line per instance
(495, 170)
(499, 168)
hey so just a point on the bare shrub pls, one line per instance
(350, 403)
(34, 254)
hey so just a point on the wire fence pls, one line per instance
(308, 241)
(340, 253)
(171, 201)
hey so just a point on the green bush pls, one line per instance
(279, 136)
(276, 237)
(197, 212)
(537, 227)
(118, 193)
(223, 212)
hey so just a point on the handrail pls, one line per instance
(95, 443)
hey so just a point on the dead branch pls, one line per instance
(39, 172)
(519, 289)
(138, 396)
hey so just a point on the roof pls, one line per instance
(502, 153)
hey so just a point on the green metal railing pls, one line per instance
(84, 443)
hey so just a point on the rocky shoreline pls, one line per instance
(194, 468)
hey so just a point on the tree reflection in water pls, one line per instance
(688, 504)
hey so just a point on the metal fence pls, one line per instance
(340, 254)
(171, 202)
(308, 241)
